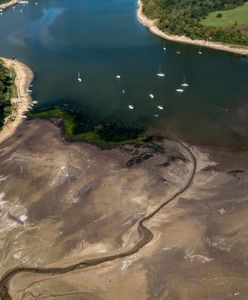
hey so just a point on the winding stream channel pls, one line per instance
(144, 233)
(46, 37)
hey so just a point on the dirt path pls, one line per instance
(145, 237)
(20, 104)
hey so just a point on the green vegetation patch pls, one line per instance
(186, 18)
(7, 91)
(106, 134)
(225, 18)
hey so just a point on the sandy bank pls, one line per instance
(151, 24)
(8, 4)
(24, 77)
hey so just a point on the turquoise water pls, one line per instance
(101, 39)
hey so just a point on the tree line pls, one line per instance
(6, 84)
(182, 17)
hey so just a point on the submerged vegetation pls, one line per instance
(185, 18)
(7, 90)
(107, 134)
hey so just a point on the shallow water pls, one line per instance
(101, 39)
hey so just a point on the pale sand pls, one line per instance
(151, 24)
(8, 4)
(24, 77)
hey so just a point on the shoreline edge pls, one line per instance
(20, 104)
(151, 25)
(8, 4)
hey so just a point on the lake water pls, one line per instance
(100, 39)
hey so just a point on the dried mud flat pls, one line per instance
(63, 203)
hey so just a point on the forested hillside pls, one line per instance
(183, 17)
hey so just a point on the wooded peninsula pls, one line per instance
(194, 19)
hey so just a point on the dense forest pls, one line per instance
(6, 84)
(182, 17)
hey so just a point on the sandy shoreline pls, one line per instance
(24, 77)
(151, 25)
(8, 4)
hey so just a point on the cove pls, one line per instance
(101, 39)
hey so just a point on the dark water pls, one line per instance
(58, 38)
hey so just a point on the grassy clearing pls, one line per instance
(236, 16)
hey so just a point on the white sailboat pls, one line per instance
(179, 90)
(151, 96)
(79, 77)
(184, 84)
(118, 76)
(131, 107)
(160, 107)
(160, 73)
